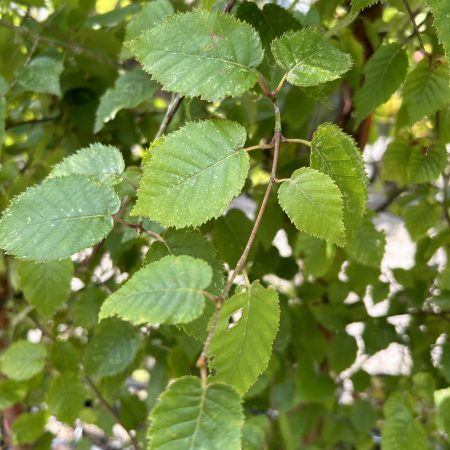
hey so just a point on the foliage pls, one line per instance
(225, 224)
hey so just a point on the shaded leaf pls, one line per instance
(46, 285)
(130, 89)
(427, 88)
(441, 14)
(112, 348)
(23, 360)
(384, 73)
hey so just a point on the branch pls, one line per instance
(416, 29)
(139, 228)
(109, 407)
(31, 122)
(202, 360)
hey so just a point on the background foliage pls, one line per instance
(126, 274)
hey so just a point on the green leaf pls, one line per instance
(23, 360)
(368, 245)
(151, 14)
(112, 349)
(101, 163)
(130, 89)
(200, 165)
(64, 356)
(314, 204)
(167, 291)
(420, 217)
(410, 162)
(28, 427)
(427, 88)
(342, 352)
(309, 58)
(230, 233)
(87, 306)
(335, 153)
(11, 392)
(65, 397)
(215, 55)
(58, 218)
(192, 243)
(240, 351)
(358, 5)
(384, 73)
(42, 75)
(441, 14)
(46, 285)
(2, 121)
(189, 415)
(442, 401)
(317, 254)
(401, 430)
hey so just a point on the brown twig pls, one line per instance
(415, 27)
(202, 360)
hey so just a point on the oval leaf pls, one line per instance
(46, 285)
(112, 349)
(214, 54)
(57, 219)
(23, 360)
(191, 416)
(199, 166)
(167, 291)
(240, 353)
(335, 153)
(309, 58)
(102, 163)
(314, 204)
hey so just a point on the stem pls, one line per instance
(139, 228)
(202, 360)
(296, 141)
(258, 147)
(109, 407)
(416, 29)
(170, 113)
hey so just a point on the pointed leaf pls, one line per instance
(384, 73)
(65, 397)
(406, 162)
(335, 153)
(240, 351)
(46, 285)
(130, 89)
(102, 163)
(151, 14)
(314, 204)
(58, 218)
(191, 416)
(200, 165)
(112, 349)
(23, 360)
(309, 58)
(167, 291)
(358, 5)
(368, 244)
(42, 75)
(427, 88)
(215, 55)
(401, 430)
(441, 14)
